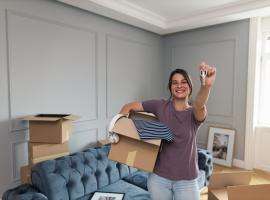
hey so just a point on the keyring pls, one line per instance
(203, 74)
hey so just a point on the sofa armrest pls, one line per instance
(23, 192)
(205, 162)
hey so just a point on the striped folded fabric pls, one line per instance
(153, 130)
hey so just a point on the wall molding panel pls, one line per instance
(18, 125)
(132, 70)
(202, 44)
(226, 46)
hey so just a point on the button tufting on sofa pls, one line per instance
(70, 184)
(97, 173)
(118, 165)
(84, 178)
(99, 157)
(108, 169)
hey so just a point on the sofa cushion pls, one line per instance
(132, 192)
(138, 178)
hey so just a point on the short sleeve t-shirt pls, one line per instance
(177, 160)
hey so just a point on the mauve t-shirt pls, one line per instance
(177, 160)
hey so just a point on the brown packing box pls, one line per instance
(50, 128)
(236, 186)
(39, 152)
(130, 149)
(25, 174)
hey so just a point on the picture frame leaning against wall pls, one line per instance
(220, 144)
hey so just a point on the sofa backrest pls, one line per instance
(74, 176)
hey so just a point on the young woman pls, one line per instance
(176, 169)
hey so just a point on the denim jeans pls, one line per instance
(164, 189)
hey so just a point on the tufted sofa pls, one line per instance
(78, 176)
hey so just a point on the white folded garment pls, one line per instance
(113, 137)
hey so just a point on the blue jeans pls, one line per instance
(164, 189)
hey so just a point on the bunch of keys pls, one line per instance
(203, 74)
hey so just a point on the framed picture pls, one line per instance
(220, 143)
(107, 196)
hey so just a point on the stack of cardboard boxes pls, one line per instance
(49, 135)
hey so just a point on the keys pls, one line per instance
(203, 74)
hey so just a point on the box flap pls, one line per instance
(221, 180)
(72, 117)
(125, 126)
(249, 192)
(40, 118)
(218, 194)
(50, 117)
(142, 115)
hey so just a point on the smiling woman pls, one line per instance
(176, 170)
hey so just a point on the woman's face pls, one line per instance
(179, 88)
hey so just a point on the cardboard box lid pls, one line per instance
(51, 117)
(221, 180)
(125, 127)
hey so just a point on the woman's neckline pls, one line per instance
(178, 111)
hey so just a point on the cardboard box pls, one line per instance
(50, 128)
(39, 152)
(25, 174)
(130, 149)
(236, 186)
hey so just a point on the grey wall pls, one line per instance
(226, 47)
(59, 59)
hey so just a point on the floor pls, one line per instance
(258, 177)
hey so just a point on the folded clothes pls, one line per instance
(153, 130)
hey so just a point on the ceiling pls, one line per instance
(169, 16)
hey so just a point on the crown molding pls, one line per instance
(122, 11)
(132, 14)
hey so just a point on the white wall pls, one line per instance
(58, 59)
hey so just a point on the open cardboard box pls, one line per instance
(50, 128)
(236, 186)
(130, 149)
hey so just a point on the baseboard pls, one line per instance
(238, 163)
(265, 168)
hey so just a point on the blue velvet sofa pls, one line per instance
(78, 176)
